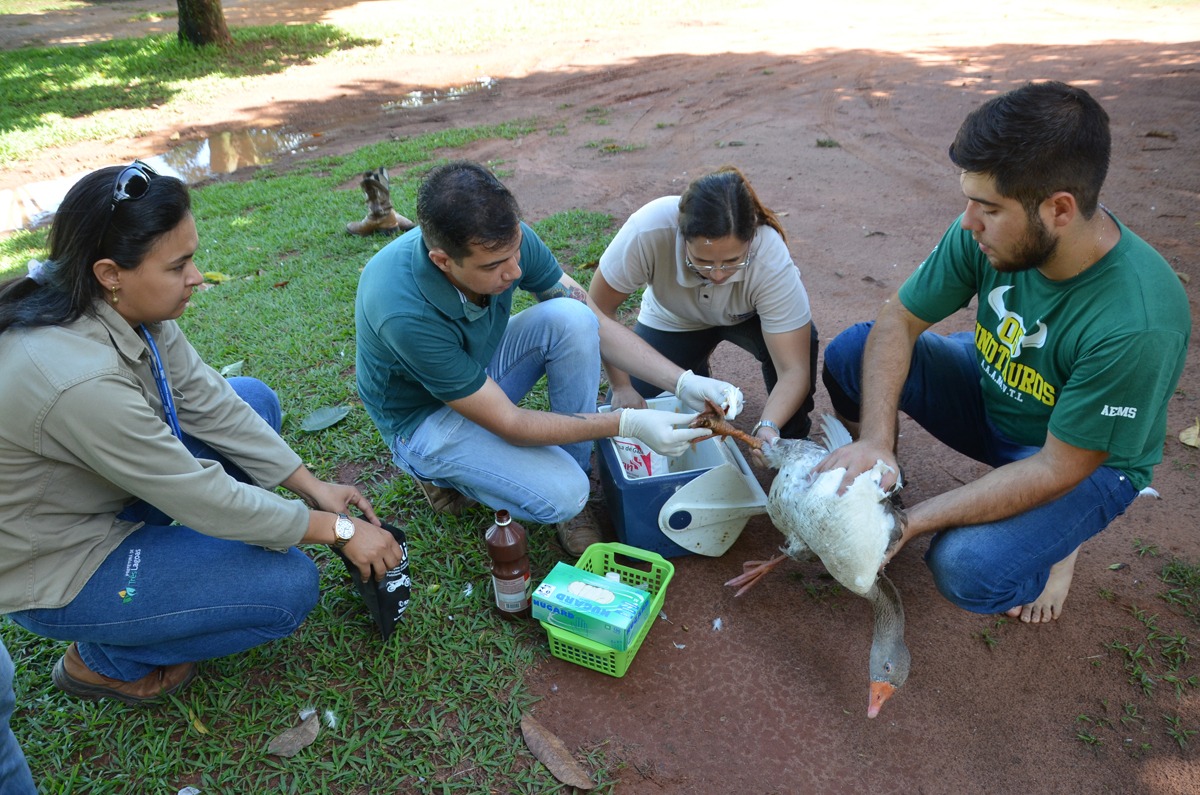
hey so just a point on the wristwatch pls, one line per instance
(765, 424)
(343, 529)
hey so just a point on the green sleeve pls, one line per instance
(948, 278)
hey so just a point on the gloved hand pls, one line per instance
(692, 389)
(659, 430)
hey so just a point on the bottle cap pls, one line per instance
(615, 576)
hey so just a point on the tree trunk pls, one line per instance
(203, 22)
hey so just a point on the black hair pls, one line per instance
(722, 204)
(1037, 140)
(462, 204)
(84, 231)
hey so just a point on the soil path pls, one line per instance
(775, 700)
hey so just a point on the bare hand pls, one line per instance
(338, 497)
(756, 457)
(627, 397)
(857, 458)
(373, 550)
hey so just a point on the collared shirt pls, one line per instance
(649, 251)
(82, 435)
(420, 345)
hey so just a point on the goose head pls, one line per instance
(890, 658)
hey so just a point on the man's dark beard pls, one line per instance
(1034, 250)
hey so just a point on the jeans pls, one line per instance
(990, 567)
(15, 778)
(691, 350)
(169, 594)
(558, 338)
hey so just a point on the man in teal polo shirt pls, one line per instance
(442, 362)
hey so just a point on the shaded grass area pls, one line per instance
(435, 709)
(55, 95)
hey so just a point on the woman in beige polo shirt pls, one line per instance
(715, 267)
(113, 427)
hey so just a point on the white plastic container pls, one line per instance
(699, 506)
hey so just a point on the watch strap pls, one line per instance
(765, 424)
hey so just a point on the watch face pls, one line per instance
(344, 528)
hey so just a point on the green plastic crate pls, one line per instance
(601, 559)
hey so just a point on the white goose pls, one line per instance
(850, 533)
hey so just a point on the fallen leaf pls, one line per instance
(552, 753)
(216, 276)
(233, 369)
(323, 418)
(197, 724)
(1191, 434)
(295, 739)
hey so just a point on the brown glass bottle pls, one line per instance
(509, 551)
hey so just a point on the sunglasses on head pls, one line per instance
(131, 183)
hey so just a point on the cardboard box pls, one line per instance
(591, 606)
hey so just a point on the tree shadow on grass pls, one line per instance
(48, 82)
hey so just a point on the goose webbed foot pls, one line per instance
(752, 572)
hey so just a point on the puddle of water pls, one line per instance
(32, 205)
(418, 99)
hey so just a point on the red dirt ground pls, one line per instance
(775, 701)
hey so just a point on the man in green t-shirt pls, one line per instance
(1080, 337)
(442, 362)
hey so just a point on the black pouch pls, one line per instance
(386, 599)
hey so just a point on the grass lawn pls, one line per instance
(438, 707)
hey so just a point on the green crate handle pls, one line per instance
(635, 552)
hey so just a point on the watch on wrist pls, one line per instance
(765, 424)
(343, 530)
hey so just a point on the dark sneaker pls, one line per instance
(444, 500)
(71, 675)
(579, 533)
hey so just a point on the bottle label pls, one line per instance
(512, 596)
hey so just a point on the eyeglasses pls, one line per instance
(131, 184)
(705, 270)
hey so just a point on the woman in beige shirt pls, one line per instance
(715, 266)
(113, 427)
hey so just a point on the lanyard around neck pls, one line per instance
(160, 378)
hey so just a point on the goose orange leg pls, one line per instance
(752, 572)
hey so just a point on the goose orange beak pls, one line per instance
(880, 692)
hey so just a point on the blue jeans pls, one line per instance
(15, 778)
(692, 349)
(168, 594)
(991, 567)
(560, 339)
